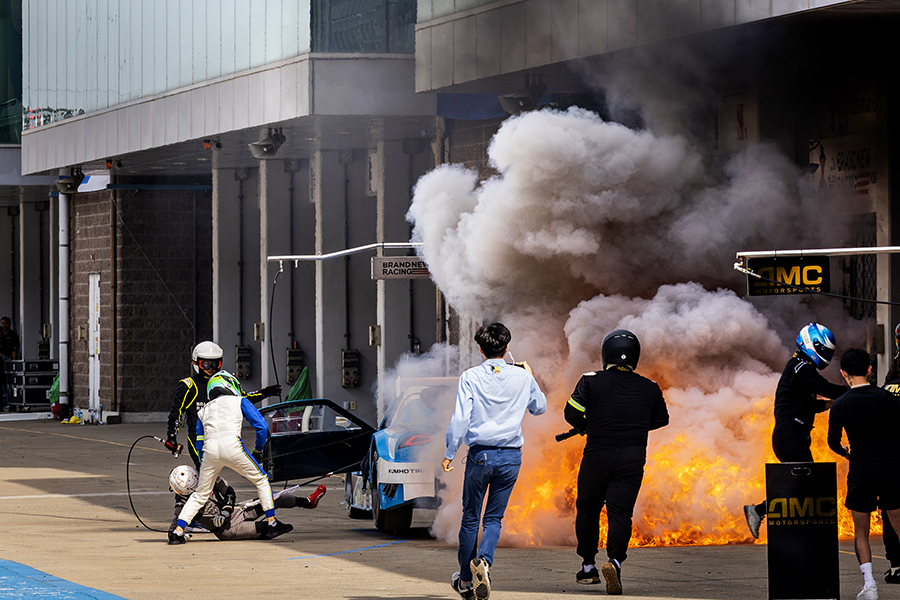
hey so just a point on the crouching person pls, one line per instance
(226, 520)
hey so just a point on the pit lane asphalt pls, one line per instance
(65, 512)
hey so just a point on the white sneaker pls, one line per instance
(870, 592)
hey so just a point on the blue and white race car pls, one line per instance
(400, 471)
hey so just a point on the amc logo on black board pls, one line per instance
(789, 276)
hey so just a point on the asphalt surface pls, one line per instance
(69, 532)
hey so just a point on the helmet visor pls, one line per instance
(209, 364)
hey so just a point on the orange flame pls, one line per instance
(693, 490)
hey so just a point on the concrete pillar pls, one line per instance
(391, 182)
(53, 285)
(303, 291)
(235, 239)
(275, 239)
(32, 277)
(329, 191)
(9, 236)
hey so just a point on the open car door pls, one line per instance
(312, 438)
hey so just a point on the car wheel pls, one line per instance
(352, 511)
(394, 520)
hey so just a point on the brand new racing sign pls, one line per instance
(789, 275)
(399, 267)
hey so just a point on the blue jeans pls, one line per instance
(492, 470)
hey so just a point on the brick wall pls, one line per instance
(164, 293)
(89, 247)
(469, 142)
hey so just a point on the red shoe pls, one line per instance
(315, 496)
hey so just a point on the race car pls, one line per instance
(400, 470)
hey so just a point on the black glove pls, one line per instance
(270, 390)
(257, 456)
(173, 445)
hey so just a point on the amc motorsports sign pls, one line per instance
(789, 276)
(399, 267)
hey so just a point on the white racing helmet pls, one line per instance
(206, 351)
(183, 480)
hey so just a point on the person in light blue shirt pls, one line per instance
(491, 401)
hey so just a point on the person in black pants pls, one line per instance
(889, 537)
(206, 360)
(871, 418)
(9, 350)
(797, 401)
(616, 408)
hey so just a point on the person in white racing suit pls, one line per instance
(220, 445)
(226, 519)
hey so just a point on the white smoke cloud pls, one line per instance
(590, 226)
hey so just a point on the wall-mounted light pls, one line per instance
(214, 144)
(268, 146)
(526, 99)
(69, 185)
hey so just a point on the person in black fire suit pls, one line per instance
(798, 398)
(227, 520)
(615, 408)
(206, 360)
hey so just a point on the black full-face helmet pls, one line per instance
(620, 347)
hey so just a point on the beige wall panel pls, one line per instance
(303, 89)
(256, 99)
(652, 20)
(746, 11)
(716, 13)
(133, 116)
(442, 46)
(90, 139)
(78, 143)
(169, 124)
(538, 35)
(622, 25)
(67, 139)
(563, 29)
(183, 111)
(684, 17)
(210, 111)
(241, 105)
(198, 121)
(100, 125)
(512, 38)
(786, 7)
(159, 117)
(423, 59)
(288, 105)
(271, 88)
(592, 34)
(487, 35)
(225, 114)
(112, 132)
(145, 110)
(464, 37)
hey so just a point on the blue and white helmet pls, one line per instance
(816, 343)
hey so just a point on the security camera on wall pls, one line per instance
(268, 147)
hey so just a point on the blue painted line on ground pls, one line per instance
(18, 581)
(344, 551)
